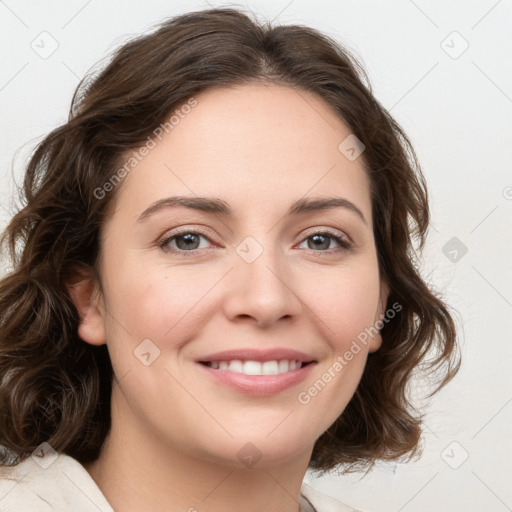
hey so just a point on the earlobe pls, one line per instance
(85, 294)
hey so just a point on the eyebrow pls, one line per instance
(219, 207)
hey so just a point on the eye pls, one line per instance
(189, 241)
(184, 241)
(321, 241)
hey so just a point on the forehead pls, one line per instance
(252, 145)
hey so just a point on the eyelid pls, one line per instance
(182, 230)
(343, 240)
(335, 233)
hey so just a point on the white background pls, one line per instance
(458, 113)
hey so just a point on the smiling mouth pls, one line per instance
(248, 367)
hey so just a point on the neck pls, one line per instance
(138, 472)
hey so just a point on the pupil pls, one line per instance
(187, 240)
(320, 242)
(190, 241)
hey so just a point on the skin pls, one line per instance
(175, 432)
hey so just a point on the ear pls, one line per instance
(84, 290)
(376, 340)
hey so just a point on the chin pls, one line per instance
(257, 451)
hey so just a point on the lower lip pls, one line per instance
(258, 385)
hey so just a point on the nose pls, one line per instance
(263, 291)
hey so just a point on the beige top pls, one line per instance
(59, 483)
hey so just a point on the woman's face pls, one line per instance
(254, 264)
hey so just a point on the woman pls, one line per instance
(214, 285)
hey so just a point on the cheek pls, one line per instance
(345, 302)
(166, 305)
(345, 308)
(170, 305)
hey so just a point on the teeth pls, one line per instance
(270, 368)
(256, 367)
(252, 368)
(284, 366)
(235, 366)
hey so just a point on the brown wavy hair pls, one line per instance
(55, 387)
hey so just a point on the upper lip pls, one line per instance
(249, 354)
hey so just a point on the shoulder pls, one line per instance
(323, 502)
(49, 482)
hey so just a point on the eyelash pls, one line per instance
(343, 242)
